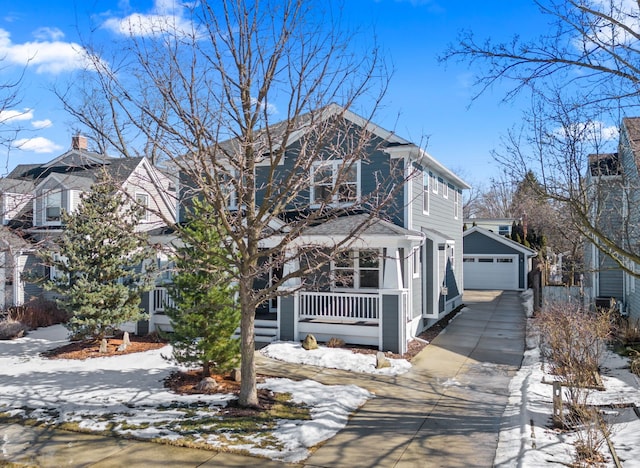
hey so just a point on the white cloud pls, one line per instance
(619, 17)
(165, 17)
(47, 56)
(271, 108)
(12, 115)
(46, 34)
(37, 145)
(40, 124)
(590, 131)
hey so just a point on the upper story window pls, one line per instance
(332, 183)
(504, 229)
(142, 200)
(53, 207)
(425, 192)
(445, 188)
(227, 181)
(434, 183)
(356, 269)
(456, 203)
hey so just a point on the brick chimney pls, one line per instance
(79, 142)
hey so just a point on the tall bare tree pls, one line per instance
(584, 71)
(204, 100)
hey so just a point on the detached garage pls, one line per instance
(491, 261)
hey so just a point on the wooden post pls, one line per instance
(558, 420)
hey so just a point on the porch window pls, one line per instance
(425, 192)
(53, 207)
(332, 183)
(356, 269)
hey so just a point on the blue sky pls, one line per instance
(427, 102)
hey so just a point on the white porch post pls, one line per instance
(287, 314)
(290, 265)
(392, 278)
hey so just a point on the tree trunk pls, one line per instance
(248, 388)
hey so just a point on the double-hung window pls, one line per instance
(227, 181)
(142, 200)
(333, 183)
(53, 207)
(425, 192)
(357, 269)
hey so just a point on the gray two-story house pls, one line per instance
(401, 273)
(613, 180)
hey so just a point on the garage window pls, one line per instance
(504, 260)
(468, 260)
(485, 260)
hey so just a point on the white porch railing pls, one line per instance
(161, 300)
(345, 307)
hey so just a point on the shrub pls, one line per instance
(10, 329)
(37, 313)
(335, 343)
(572, 340)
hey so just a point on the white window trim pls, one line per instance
(456, 204)
(232, 192)
(145, 213)
(425, 193)
(445, 189)
(355, 267)
(55, 273)
(45, 197)
(434, 183)
(451, 254)
(335, 166)
(417, 262)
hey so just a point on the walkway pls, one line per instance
(445, 412)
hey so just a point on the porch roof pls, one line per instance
(367, 230)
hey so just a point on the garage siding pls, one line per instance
(478, 244)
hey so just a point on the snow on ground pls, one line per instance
(125, 394)
(335, 358)
(527, 439)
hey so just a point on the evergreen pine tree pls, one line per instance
(205, 314)
(97, 265)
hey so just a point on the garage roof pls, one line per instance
(502, 239)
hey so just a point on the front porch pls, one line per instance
(376, 318)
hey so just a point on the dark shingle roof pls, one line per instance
(77, 163)
(346, 225)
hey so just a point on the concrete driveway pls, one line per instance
(446, 412)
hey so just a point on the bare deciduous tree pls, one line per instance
(583, 72)
(204, 100)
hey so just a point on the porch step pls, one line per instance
(266, 331)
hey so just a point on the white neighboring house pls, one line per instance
(34, 196)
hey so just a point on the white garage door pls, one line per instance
(490, 272)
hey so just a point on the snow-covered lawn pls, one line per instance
(335, 358)
(527, 439)
(125, 394)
